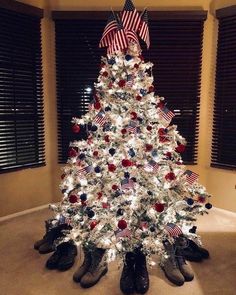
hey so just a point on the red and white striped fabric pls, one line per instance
(144, 29)
(130, 17)
(173, 230)
(109, 31)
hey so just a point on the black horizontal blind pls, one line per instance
(224, 122)
(21, 105)
(176, 51)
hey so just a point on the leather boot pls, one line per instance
(141, 273)
(96, 270)
(127, 280)
(37, 244)
(80, 272)
(193, 252)
(184, 268)
(171, 267)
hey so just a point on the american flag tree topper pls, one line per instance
(130, 17)
(144, 29)
(109, 31)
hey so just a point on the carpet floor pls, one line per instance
(23, 272)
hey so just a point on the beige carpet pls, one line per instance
(22, 270)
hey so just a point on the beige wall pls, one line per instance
(33, 187)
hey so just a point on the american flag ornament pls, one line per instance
(191, 177)
(132, 127)
(144, 29)
(173, 230)
(126, 233)
(130, 16)
(100, 118)
(109, 31)
(84, 170)
(130, 80)
(132, 37)
(127, 183)
(152, 166)
(166, 114)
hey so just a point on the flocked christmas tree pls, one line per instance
(126, 187)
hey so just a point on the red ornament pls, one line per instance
(148, 147)
(105, 205)
(123, 131)
(201, 199)
(97, 105)
(149, 128)
(134, 115)
(63, 176)
(115, 187)
(72, 152)
(105, 74)
(73, 199)
(111, 167)
(95, 153)
(160, 104)
(99, 195)
(168, 155)
(106, 138)
(122, 83)
(151, 88)
(141, 57)
(170, 176)
(159, 207)
(110, 85)
(126, 163)
(138, 97)
(93, 224)
(136, 66)
(76, 128)
(180, 148)
(122, 224)
(84, 203)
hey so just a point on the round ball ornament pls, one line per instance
(208, 206)
(90, 214)
(93, 224)
(111, 167)
(76, 128)
(190, 201)
(159, 207)
(83, 197)
(120, 212)
(122, 224)
(73, 199)
(180, 148)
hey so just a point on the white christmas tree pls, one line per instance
(126, 187)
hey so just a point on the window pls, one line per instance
(176, 51)
(21, 105)
(224, 123)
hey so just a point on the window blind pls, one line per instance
(223, 153)
(21, 104)
(176, 51)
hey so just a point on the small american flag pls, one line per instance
(127, 184)
(152, 165)
(166, 114)
(132, 127)
(130, 17)
(84, 170)
(132, 37)
(191, 176)
(130, 80)
(173, 230)
(120, 40)
(123, 233)
(109, 31)
(143, 28)
(100, 118)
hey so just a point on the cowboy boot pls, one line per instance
(96, 270)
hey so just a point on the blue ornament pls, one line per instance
(112, 151)
(143, 92)
(154, 153)
(131, 152)
(83, 197)
(90, 213)
(106, 127)
(117, 194)
(107, 109)
(94, 128)
(150, 193)
(97, 169)
(208, 206)
(128, 57)
(63, 190)
(126, 175)
(89, 125)
(190, 201)
(111, 61)
(82, 156)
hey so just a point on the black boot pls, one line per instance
(42, 241)
(127, 280)
(81, 271)
(193, 252)
(141, 273)
(63, 258)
